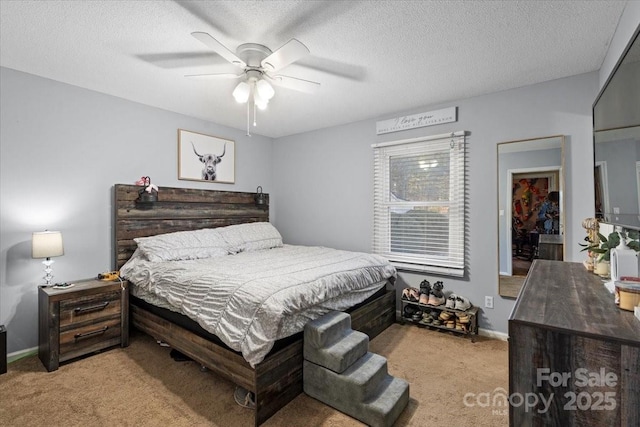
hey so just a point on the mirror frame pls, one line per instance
(509, 286)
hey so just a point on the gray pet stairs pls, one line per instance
(339, 371)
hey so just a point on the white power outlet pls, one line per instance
(488, 302)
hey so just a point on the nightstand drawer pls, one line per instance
(82, 309)
(86, 339)
(89, 316)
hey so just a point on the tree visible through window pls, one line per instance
(419, 203)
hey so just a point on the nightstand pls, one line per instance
(90, 316)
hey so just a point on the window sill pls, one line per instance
(444, 271)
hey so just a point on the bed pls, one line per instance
(277, 377)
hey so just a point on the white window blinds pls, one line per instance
(419, 200)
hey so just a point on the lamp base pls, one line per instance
(47, 271)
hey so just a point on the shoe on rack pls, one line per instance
(462, 303)
(451, 301)
(405, 294)
(427, 318)
(414, 295)
(436, 300)
(463, 318)
(436, 289)
(424, 299)
(445, 315)
(409, 311)
(425, 287)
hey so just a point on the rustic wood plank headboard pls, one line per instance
(177, 209)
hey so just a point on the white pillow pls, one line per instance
(252, 236)
(181, 245)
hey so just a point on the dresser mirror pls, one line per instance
(530, 207)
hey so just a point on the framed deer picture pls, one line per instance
(205, 158)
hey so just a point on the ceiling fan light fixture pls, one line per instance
(264, 89)
(259, 101)
(261, 104)
(241, 92)
(256, 62)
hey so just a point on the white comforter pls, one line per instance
(251, 299)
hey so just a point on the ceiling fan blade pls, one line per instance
(182, 59)
(215, 76)
(290, 52)
(219, 48)
(295, 83)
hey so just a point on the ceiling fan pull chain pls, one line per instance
(254, 114)
(248, 113)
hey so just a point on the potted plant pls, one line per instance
(632, 237)
(603, 246)
(601, 252)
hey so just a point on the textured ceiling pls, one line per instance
(372, 58)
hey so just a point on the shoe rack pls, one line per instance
(470, 328)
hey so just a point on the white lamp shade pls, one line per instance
(45, 244)
(265, 90)
(241, 92)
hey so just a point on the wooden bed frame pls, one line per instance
(278, 378)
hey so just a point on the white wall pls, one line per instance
(325, 178)
(62, 148)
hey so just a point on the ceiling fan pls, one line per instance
(259, 66)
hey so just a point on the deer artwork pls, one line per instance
(210, 163)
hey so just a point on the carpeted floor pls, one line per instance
(451, 379)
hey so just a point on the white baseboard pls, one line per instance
(493, 334)
(17, 355)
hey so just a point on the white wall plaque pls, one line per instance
(430, 118)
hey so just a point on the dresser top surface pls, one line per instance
(566, 297)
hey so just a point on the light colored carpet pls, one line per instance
(142, 386)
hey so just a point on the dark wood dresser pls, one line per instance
(550, 246)
(88, 317)
(574, 356)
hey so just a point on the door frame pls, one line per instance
(555, 172)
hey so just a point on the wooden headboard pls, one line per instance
(177, 209)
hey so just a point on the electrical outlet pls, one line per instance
(488, 302)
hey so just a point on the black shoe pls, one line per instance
(409, 311)
(425, 287)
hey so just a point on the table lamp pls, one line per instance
(47, 244)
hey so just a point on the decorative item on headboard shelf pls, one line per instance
(148, 195)
(261, 198)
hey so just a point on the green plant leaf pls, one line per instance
(614, 240)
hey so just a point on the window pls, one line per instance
(419, 200)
